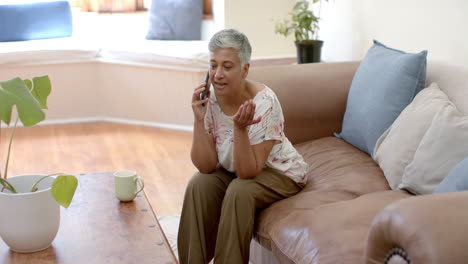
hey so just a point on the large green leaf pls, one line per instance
(40, 89)
(15, 92)
(63, 189)
(5, 104)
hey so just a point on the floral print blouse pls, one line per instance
(283, 156)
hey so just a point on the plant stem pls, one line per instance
(9, 148)
(34, 188)
(7, 185)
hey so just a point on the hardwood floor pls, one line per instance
(160, 156)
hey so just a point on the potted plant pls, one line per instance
(30, 212)
(304, 24)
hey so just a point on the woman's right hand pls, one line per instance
(199, 106)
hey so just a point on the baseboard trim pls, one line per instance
(148, 123)
(110, 120)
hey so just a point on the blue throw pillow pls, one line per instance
(384, 84)
(38, 20)
(456, 180)
(175, 20)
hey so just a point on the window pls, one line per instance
(109, 6)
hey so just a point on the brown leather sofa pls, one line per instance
(341, 216)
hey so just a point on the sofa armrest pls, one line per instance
(429, 229)
(313, 96)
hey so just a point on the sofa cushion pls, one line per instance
(36, 20)
(385, 83)
(451, 79)
(442, 147)
(175, 20)
(331, 233)
(395, 149)
(338, 171)
(180, 55)
(47, 51)
(456, 180)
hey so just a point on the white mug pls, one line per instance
(126, 183)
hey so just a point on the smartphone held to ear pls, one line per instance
(204, 94)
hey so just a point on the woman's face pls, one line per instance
(226, 73)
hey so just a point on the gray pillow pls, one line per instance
(456, 180)
(175, 20)
(384, 84)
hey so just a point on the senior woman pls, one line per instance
(245, 161)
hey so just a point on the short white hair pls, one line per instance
(231, 38)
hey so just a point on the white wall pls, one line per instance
(256, 20)
(348, 28)
(75, 87)
(148, 94)
(336, 30)
(118, 92)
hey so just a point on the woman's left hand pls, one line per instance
(245, 115)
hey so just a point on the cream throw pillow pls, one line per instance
(442, 147)
(395, 149)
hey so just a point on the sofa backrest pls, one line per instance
(313, 96)
(452, 79)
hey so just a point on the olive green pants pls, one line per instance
(218, 214)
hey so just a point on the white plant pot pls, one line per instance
(29, 222)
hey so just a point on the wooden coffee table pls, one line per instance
(98, 228)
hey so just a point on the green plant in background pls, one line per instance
(303, 22)
(30, 98)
